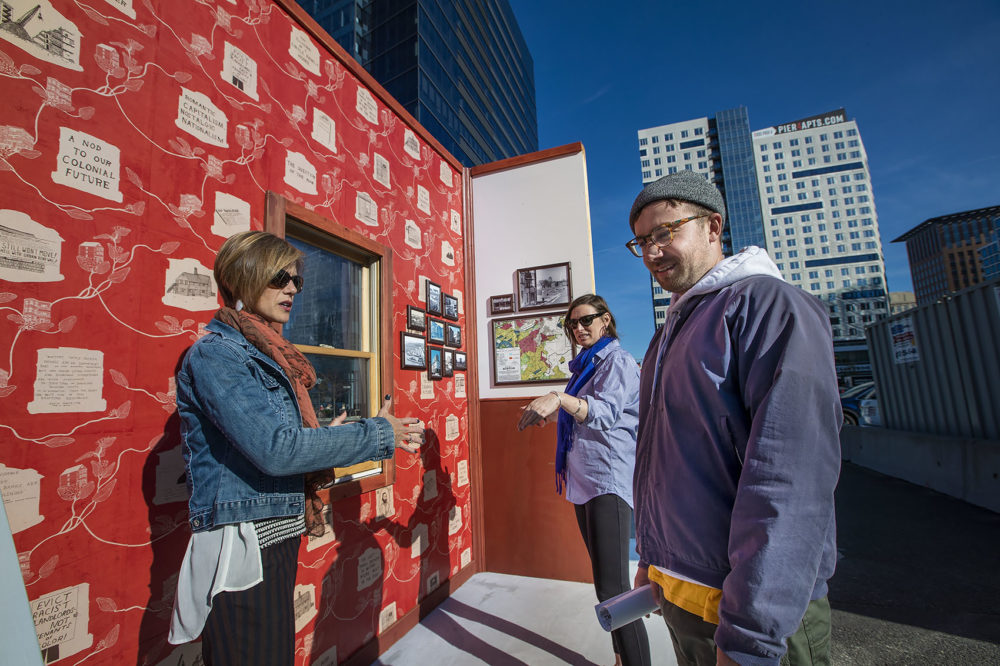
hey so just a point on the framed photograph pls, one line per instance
(412, 351)
(530, 349)
(502, 304)
(450, 307)
(452, 335)
(460, 361)
(435, 331)
(435, 362)
(543, 287)
(416, 318)
(433, 296)
(449, 362)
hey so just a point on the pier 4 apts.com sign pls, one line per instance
(812, 122)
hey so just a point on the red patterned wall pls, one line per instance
(135, 136)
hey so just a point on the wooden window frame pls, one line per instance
(279, 209)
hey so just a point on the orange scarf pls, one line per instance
(265, 337)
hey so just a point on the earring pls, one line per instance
(239, 305)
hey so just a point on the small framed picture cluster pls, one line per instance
(433, 336)
(529, 344)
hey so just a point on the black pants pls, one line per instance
(605, 523)
(256, 626)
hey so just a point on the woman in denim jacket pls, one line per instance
(598, 415)
(250, 437)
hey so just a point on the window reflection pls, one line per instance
(329, 310)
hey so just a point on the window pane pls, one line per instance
(329, 310)
(341, 383)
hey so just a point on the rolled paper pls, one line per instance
(626, 608)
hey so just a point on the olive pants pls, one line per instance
(694, 638)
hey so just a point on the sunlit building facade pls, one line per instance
(951, 252)
(820, 220)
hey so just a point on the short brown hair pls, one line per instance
(247, 262)
(598, 304)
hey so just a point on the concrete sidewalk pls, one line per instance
(918, 582)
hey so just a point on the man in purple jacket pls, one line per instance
(738, 448)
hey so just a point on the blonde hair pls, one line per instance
(247, 262)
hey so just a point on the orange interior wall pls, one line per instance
(529, 529)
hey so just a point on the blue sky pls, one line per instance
(922, 80)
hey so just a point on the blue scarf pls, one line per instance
(583, 368)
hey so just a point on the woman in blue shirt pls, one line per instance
(250, 438)
(598, 415)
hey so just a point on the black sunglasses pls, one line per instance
(283, 277)
(586, 320)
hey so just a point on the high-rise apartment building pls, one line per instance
(820, 221)
(951, 252)
(461, 67)
(802, 190)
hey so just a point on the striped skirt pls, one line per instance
(256, 626)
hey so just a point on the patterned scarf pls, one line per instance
(583, 367)
(266, 338)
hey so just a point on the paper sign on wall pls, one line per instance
(904, 341)
(29, 251)
(324, 130)
(240, 70)
(88, 164)
(300, 173)
(62, 621)
(68, 379)
(20, 489)
(203, 120)
(301, 47)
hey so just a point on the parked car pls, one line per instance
(850, 401)
(869, 411)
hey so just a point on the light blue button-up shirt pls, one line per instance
(603, 455)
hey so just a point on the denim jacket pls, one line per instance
(245, 449)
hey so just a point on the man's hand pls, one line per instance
(722, 660)
(642, 578)
(406, 434)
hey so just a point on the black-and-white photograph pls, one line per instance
(460, 361)
(450, 307)
(449, 362)
(543, 287)
(435, 362)
(435, 331)
(452, 335)
(412, 351)
(416, 318)
(433, 298)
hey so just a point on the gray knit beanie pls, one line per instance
(684, 185)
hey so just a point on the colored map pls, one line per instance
(531, 349)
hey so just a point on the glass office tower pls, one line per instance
(739, 181)
(461, 68)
